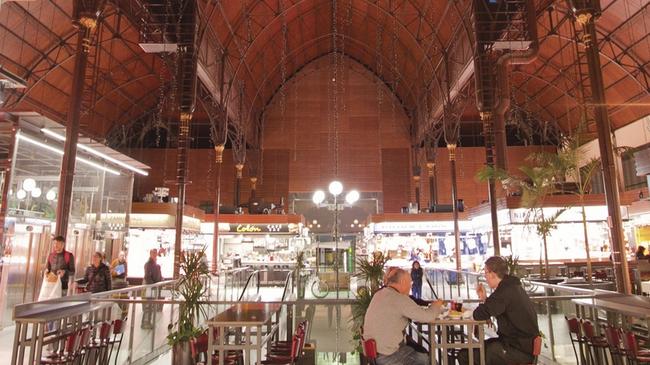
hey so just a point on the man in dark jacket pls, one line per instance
(152, 272)
(152, 275)
(515, 314)
(61, 262)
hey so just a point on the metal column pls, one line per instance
(85, 19)
(586, 17)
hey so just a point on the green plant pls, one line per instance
(190, 289)
(512, 262)
(372, 272)
(539, 181)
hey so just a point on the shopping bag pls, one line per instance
(50, 289)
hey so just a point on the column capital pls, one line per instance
(240, 168)
(218, 153)
(451, 148)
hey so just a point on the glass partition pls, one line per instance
(101, 194)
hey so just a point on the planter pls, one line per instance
(182, 354)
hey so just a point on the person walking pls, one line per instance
(152, 275)
(98, 275)
(416, 277)
(61, 263)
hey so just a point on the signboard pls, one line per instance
(256, 228)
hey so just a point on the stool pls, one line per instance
(596, 344)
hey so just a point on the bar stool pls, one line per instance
(199, 349)
(537, 350)
(99, 346)
(632, 352)
(369, 350)
(612, 334)
(575, 334)
(283, 360)
(118, 335)
(596, 344)
(68, 355)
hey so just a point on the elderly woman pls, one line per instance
(98, 275)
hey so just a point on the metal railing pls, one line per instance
(251, 290)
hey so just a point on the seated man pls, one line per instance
(516, 318)
(387, 317)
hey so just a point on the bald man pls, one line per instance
(387, 316)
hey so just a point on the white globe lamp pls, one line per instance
(21, 194)
(336, 188)
(29, 184)
(318, 197)
(36, 192)
(51, 195)
(352, 197)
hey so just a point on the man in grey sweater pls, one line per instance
(387, 317)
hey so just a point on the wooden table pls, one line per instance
(439, 339)
(243, 317)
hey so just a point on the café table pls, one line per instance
(243, 317)
(445, 337)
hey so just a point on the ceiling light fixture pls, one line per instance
(22, 137)
(96, 153)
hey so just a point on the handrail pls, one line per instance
(255, 273)
(132, 288)
(230, 271)
(286, 284)
(433, 291)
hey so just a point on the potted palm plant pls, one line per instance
(372, 273)
(538, 182)
(190, 289)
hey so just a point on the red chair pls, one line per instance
(575, 334)
(283, 348)
(118, 335)
(612, 334)
(369, 350)
(69, 354)
(286, 360)
(597, 345)
(98, 347)
(199, 349)
(632, 352)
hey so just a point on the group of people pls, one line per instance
(391, 308)
(99, 275)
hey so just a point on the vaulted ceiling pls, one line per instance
(410, 45)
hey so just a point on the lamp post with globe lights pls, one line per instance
(335, 188)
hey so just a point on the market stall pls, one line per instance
(265, 242)
(426, 237)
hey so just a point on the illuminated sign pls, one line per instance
(263, 228)
(248, 228)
